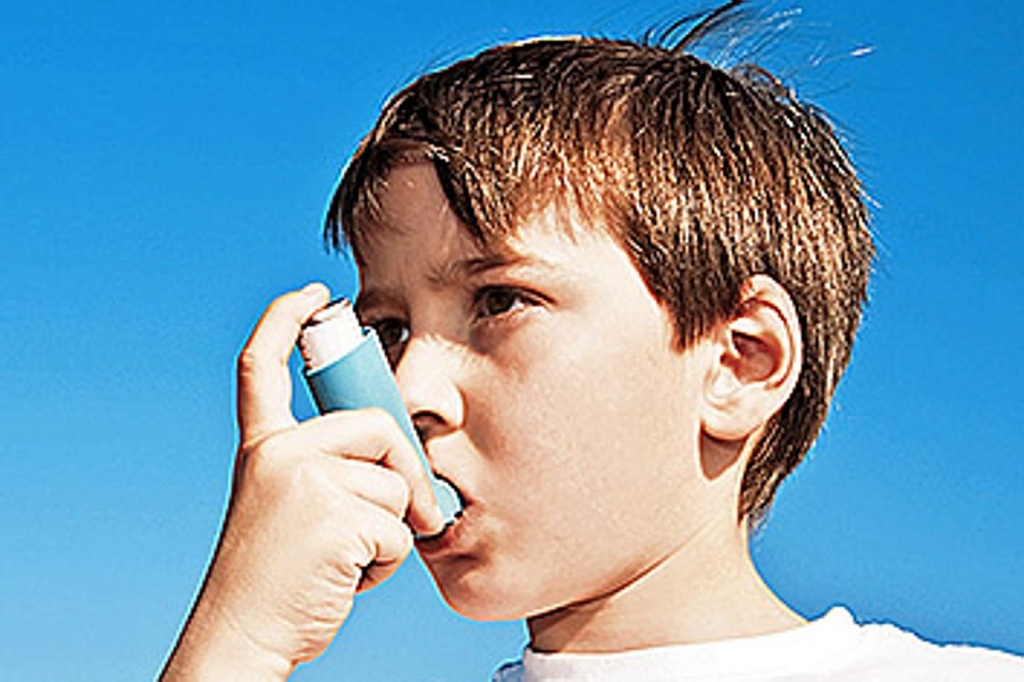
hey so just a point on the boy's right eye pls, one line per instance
(392, 333)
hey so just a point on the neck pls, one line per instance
(707, 589)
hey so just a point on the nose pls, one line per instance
(426, 376)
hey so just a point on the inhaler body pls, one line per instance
(346, 370)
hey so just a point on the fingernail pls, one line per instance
(313, 288)
(435, 523)
(435, 532)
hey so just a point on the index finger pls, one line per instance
(264, 382)
(373, 435)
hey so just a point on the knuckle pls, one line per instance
(399, 543)
(247, 361)
(396, 491)
(406, 541)
(392, 538)
(380, 419)
(270, 460)
(357, 544)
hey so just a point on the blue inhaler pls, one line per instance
(346, 370)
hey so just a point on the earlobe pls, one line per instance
(757, 356)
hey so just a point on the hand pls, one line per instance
(319, 511)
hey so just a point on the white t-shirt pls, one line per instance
(833, 648)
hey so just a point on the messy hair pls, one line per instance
(705, 175)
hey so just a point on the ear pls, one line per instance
(757, 356)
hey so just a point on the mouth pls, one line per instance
(449, 498)
(449, 523)
(451, 502)
(450, 537)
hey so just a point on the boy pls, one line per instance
(618, 287)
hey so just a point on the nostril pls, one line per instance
(425, 423)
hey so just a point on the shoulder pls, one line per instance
(886, 652)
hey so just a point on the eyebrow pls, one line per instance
(448, 273)
(451, 273)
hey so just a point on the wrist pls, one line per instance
(211, 647)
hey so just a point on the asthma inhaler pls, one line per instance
(346, 370)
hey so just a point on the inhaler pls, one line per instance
(346, 370)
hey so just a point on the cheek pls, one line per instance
(614, 397)
(584, 463)
(586, 457)
(585, 509)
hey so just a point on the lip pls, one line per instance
(451, 540)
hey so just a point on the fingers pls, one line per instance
(388, 544)
(318, 511)
(372, 436)
(374, 484)
(264, 382)
(264, 408)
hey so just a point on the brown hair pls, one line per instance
(706, 176)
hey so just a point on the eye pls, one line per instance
(391, 331)
(496, 301)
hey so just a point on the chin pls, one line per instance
(480, 594)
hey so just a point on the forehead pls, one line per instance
(412, 214)
(416, 236)
(411, 209)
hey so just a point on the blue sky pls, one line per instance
(165, 167)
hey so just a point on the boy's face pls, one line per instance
(546, 386)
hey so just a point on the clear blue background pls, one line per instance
(163, 173)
